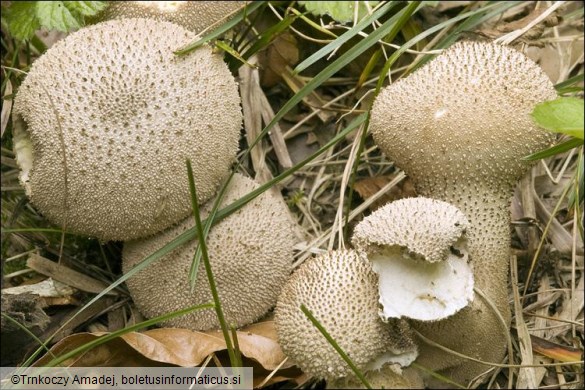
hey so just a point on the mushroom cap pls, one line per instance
(465, 116)
(195, 16)
(112, 114)
(425, 228)
(250, 252)
(418, 248)
(341, 291)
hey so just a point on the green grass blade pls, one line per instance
(403, 18)
(571, 85)
(344, 37)
(208, 270)
(478, 18)
(554, 150)
(27, 331)
(470, 19)
(104, 339)
(238, 17)
(334, 344)
(337, 65)
(269, 35)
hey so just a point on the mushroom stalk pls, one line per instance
(476, 331)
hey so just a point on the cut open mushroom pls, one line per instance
(418, 248)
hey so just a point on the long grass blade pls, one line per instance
(554, 150)
(334, 344)
(345, 37)
(208, 270)
(238, 17)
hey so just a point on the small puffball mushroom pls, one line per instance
(250, 252)
(106, 118)
(341, 291)
(459, 127)
(418, 248)
(195, 16)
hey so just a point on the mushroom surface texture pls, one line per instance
(195, 16)
(389, 376)
(250, 252)
(418, 248)
(107, 117)
(341, 291)
(459, 127)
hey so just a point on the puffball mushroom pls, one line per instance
(106, 118)
(250, 252)
(418, 248)
(459, 127)
(195, 16)
(341, 291)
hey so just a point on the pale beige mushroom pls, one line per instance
(250, 252)
(459, 127)
(106, 118)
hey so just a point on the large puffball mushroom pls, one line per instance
(250, 252)
(341, 291)
(195, 16)
(459, 127)
(418, 248)
(107, 118)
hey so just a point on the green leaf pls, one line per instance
(25, 17)
(55, 15)
(342, 11)
(563, 115)
(21, 19)
(85, 8)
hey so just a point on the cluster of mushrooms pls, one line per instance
(106, 118)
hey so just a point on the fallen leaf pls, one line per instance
(555, 351)
(368, 187)
(180, 347)
(281, 53)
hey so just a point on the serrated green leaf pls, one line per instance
(342, 11)
(21, 19)
(85, 8)
(55, 15)
(563, 115)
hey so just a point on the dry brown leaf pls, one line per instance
(179, 347)
(371, 185)
(281, 53)
(562, 353)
